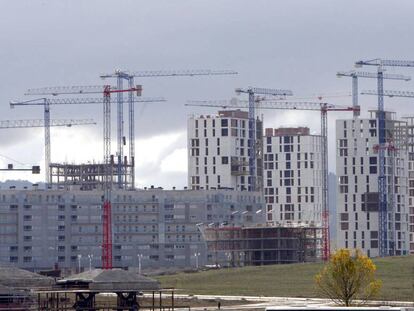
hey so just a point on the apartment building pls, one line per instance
(357, 172)
(218, 147)
(39, 228)
(293, 176)
(410, 150)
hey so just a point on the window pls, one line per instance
(224, 160)
(224, 132)
(224, 122)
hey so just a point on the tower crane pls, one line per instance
(252, 91)
(306, 106)
(106, 101)
(106, 90)
(390, 147)
(363, 74)
(46, 102)
(385, 249)
(31, 123)
(129, 76)
(9, 124)
(390, 93)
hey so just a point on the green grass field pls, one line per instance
(295, 280)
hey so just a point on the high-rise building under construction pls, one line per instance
(218, 147)
(293, 176)
(357, 168)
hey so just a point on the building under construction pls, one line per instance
(90, 176)
(263, 244)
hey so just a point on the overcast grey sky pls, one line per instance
(279, 44)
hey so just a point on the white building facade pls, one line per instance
(293, 176)
(410, 150)
(218, 151)
(357, 197)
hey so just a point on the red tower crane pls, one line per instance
(313, 106)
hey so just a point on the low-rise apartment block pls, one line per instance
(39, 228)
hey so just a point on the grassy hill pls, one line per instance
(295, 280)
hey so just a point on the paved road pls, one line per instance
(260, 302)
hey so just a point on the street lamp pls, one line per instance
(140, 256)
(90, 256)
(196, 258)
(79, 262)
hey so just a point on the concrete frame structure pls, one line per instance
(218, 153)
(90, 176)
(263, 244)
(357, 173)
(41, 227)
(293, 176)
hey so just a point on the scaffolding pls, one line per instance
(263, 245)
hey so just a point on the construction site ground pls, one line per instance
(294, 280)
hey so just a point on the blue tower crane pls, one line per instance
(252, 91)
(385, 248)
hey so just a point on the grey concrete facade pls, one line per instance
(39, 228)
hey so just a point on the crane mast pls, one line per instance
(363, 74)
(107, 206)
(386, 206)
(256, 185)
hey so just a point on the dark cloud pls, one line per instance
(282, 44)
